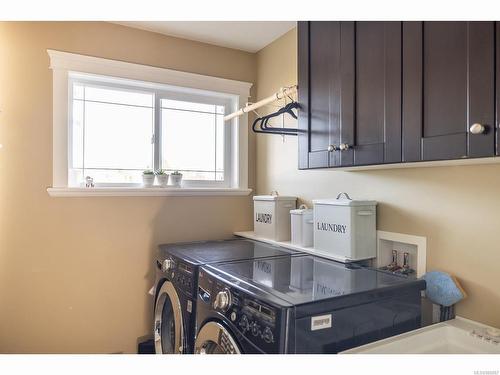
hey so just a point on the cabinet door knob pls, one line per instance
(477, 128)
(344, 146)
(332, 148)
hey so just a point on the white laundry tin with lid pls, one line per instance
(345, 228)
(272, 216)
(302, 226)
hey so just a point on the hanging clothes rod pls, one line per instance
(284, 91)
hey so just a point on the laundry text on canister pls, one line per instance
(339, 228)
(263, 218)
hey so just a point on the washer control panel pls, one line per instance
(255, 319)
(179, 273)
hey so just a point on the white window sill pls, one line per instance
(144, 192)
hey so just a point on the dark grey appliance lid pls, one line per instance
(248, 289)
(207, 252)
(310, 280)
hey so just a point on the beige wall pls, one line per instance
(74, 272)
(456, 208)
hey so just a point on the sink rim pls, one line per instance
(459, 325)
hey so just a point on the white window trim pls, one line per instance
(62, 63)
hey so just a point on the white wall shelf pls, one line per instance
(287, 244)
(386, 242)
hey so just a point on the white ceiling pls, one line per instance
(250, 36)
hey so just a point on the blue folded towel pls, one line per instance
(443, 289)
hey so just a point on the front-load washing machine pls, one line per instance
(301, 304)
(176, 285)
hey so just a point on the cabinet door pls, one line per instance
(319, 93)
(448, 85)
(370, 92)
(497, 83)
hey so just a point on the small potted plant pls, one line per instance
(176, 178)
(162, 177)
(148, 178)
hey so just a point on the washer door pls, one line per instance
(168, 329)
(213, 338)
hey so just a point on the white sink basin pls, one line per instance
(457, 336)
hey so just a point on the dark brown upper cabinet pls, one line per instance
(389, 92)
(448, 86)
(350, 93)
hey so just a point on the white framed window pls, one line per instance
(113, 120)
(120, 128)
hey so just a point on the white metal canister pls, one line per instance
(272, 216)
(345, 228)
(302, 226)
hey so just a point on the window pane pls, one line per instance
(118, 137)
(189, 106)
(77, 135)
(112, 130)
(193, 143)
(75, 177)
(110, 142)
(118, 96)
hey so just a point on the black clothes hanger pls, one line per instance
(264, 120)
(286, 109)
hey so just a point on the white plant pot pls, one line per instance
(175, 180)
(148, 180)
(162, 179)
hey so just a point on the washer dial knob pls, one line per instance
(244, 324)
(255, 329)
(233, 316)
(267, 335)
(223, 300)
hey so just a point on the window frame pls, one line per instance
(65, 66)
(159, 92)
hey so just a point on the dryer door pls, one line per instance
(213, 338)
(168, 328)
